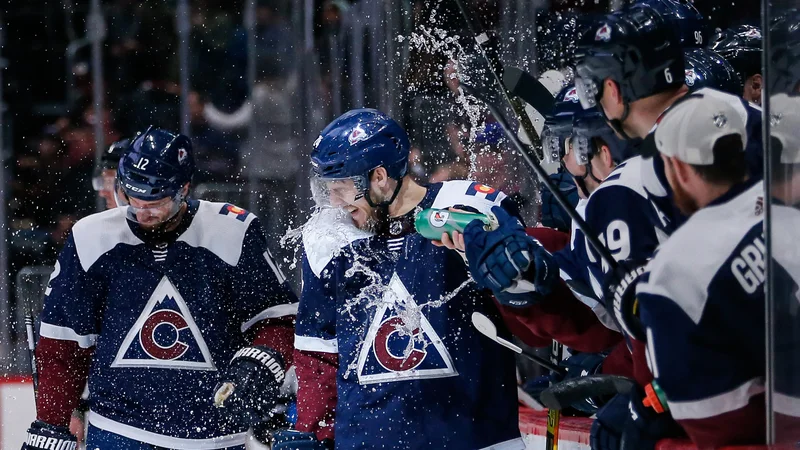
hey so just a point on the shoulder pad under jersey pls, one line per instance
(97, 234)
(219, 228)
(626, 175)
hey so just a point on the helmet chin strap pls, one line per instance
(386, 203)
(580, 180)
(616, 124)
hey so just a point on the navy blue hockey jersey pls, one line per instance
(413, 372)
(573, 263)
(163, 320)
(626, 220)
(702, 303)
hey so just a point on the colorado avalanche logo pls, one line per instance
(572, 96)
(393, 351)
(691, 77)
(603, 34)
(165, 335)
(182, 155)
(384, 354)
(357, 135)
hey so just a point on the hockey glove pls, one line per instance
(517, 269)
(619, 295)
(251, 386)
(632, 421)
(43, 436)
(298, 440)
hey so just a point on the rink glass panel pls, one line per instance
(783, 180)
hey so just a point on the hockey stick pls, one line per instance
(496, 68)
(554, 415)
(487, 328)
(31, 350)
(529, 89)
(562, 395)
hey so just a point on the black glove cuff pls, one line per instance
(42, 435)
(263, 356)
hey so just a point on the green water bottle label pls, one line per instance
(431, 222)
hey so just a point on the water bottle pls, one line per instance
(431, 222)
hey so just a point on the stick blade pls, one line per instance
(484, 325)
(562, 395)
(529, 89)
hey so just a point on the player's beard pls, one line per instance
(685, 203)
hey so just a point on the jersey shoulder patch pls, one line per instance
(219, 228)
(468, 193)
(327, 232)
(97, 234)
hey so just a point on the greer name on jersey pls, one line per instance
(163, 320)
(413, 372)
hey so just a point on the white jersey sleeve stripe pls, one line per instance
(161, 440)
(67, 334)
(274, 312)
(719, 404)
(313, 344)
(275, 269)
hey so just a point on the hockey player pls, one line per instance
(589, 151)
(704, 315)
(741, 47)
(151, 301)
(105, 180)
(383, 329)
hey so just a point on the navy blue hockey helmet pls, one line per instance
(558, 124)
(742, 47)
(590, 131)
(692, 28)
(705, 68)
(157, 164)
(358, 142)
(637, 48)
(109, 160)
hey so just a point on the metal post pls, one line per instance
(769, 304)
(96, 30)
(184, 28)
(357, 55)
(4, 305)
(250, 26)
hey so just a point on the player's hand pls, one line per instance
(619, 295)
(43, 436)
(298, 440)
(508, 261)
(628, 422)
(250, 387)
